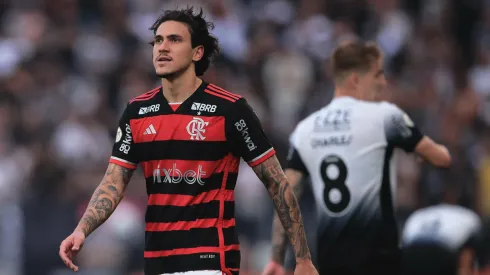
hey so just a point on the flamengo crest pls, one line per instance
(195, 128)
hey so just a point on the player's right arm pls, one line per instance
(105, 198)
(108, 193)
(402, 133)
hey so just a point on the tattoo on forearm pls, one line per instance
(105, 198)
(279, 236)
(288, 212)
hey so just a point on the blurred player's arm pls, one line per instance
(436, 154)
(288, 219)
(105, 199)
(402, 132)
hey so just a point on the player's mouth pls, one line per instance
(163, 59)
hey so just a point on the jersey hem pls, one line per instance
(263, 157)
(122, 162)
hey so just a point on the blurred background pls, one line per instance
(67, 68)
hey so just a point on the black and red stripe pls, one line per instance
(221, 93)
(147, 95)
(174, 127)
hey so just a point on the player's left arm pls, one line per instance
(287, 207)
(279, 234)
(245, 133)
(403, 133)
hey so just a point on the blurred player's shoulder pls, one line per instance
(454, 209)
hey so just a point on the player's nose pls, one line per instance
(164, 47)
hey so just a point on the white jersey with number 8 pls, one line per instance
(346, 148)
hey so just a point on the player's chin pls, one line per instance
(164, 73)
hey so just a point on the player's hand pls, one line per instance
(273, 268)
(70, 247)
(305, 268)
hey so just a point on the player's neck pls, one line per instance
(178, 89)
(343, 92)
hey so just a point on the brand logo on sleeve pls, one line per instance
(126, 143)
(241, 127)
(118, 134)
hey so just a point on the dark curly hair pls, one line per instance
(198, 28)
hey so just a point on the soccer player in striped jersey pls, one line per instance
(188, 136)
(346, 150)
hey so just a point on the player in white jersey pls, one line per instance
(443, 239)
(346, 150)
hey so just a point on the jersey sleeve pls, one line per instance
(246, 135)
(294, 160)
(400, 130)
(123, 151)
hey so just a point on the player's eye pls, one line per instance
(158, 40)
(175, 39)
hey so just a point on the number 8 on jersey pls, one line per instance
(336, 195)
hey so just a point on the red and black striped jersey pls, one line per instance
(190, 158)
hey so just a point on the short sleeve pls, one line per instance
(246, 135)
(294, 160)
(123, 151)
(400, 130)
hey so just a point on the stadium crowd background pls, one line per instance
(67, 68)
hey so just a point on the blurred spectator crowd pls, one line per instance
(67, 68)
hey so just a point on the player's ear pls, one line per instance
(355, 79)
(198, 53)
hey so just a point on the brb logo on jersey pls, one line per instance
(241, 126)
(174, 175)
(149, 109)
(195, 128)
(201, 107)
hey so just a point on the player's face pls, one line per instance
(172, 50)
(373, 82)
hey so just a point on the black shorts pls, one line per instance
(429, 258)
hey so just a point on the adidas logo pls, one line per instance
(150, 130)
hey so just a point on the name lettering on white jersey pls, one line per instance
(337, 140)
(333, 120)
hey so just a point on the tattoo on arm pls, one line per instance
(287, 208)
(279, 236)
(105, 198)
